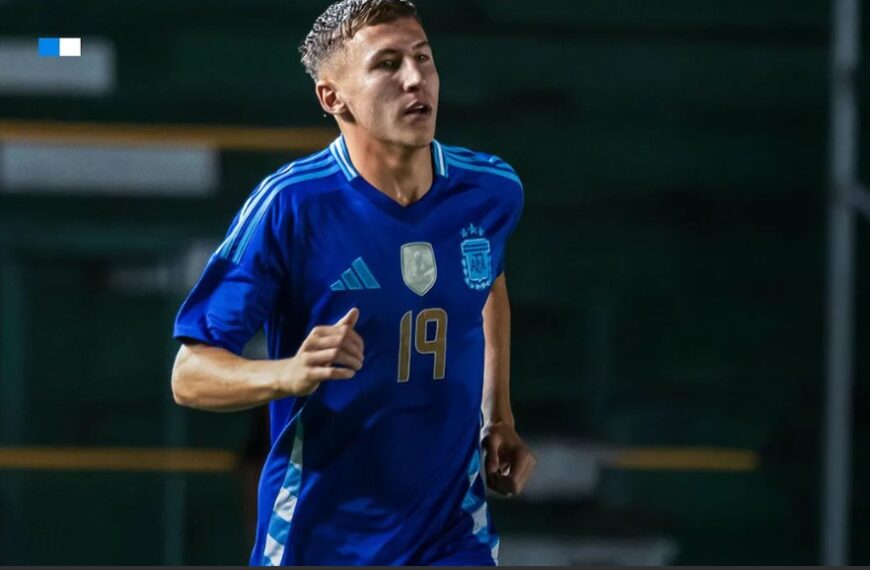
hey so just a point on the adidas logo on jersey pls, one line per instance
(356, 278)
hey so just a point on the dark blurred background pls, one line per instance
(668, 278)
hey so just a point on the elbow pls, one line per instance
(183, 389)
(182, 395)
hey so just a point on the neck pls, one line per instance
(404, 174)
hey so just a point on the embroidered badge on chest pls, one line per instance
(476, 258)
(418, 267)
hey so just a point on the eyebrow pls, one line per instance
(383, 51)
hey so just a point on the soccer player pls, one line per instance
(376, 267)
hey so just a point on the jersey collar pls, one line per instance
(339, 151)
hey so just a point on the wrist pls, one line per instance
(497, 412)
(267, 377)
(499, 421)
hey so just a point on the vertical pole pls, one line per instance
(841, 242)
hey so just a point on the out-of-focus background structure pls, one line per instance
(669, 279)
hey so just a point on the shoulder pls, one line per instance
(488, 170)
(278, 197)
(297, 180)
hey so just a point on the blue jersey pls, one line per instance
(384, 468)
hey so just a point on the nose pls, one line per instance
(413, 78)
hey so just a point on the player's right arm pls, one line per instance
(212, 378)
(239, 291)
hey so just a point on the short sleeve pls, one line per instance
(242, 281)
(513, 203)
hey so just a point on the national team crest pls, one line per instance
(476, 258)
(418, 267)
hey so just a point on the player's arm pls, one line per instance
(212, 378)
(509, 463)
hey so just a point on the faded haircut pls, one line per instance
(341, 21)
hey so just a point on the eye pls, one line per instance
(423, 57)
(389, 64)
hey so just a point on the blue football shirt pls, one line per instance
(384, 468)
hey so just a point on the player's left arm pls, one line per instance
(509, 462)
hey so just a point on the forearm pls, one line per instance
(210, 378)
(496, 372)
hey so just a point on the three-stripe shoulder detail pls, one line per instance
(255, 208)
(469, 160)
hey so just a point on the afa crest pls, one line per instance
(476, 258)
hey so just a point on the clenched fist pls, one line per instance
(508, 461)
(328, 353)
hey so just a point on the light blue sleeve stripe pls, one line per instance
(299, 165)
(493, 161)
(459, 150)
(256, 197)
(308, 166)
(249, 233)
(363, 270)
(488, 169)
(252, 202)
(478, 159)
(471, 155)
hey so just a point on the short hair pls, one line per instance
(341, 21)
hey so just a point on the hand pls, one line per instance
(328, 353)
(508, 462)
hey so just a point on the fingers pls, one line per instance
(508, 474)
(345, 338)
(349, 319)
(521, 469)
(339, 335)
(491, 444)
(505, 459)
(502, 485)
(333, 356)
(324, 373)
(329, 352)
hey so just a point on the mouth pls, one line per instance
(418, 110)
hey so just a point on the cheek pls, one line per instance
(363, 101)
(378, 96)
(434, 81)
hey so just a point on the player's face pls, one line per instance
(390, 84)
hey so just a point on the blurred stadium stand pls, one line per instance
(667, 278)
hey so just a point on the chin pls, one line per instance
(419, 138)
(409, 138)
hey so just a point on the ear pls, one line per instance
(327, 95)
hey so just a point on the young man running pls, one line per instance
(376, 267)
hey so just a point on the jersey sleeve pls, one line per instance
(242, 281)
(514, 201)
